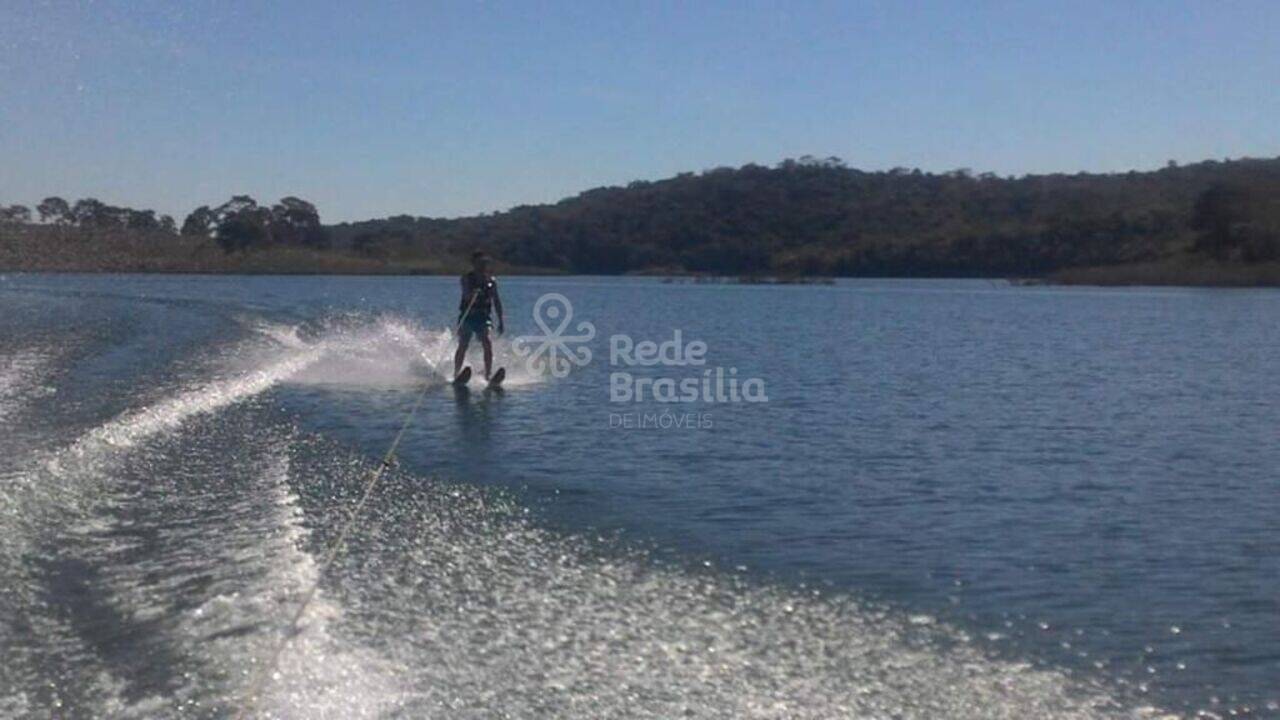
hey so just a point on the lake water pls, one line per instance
(956, 499)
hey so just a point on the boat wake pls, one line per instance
(386, 352)
(152, 564)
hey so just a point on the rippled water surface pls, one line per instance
(960, 499)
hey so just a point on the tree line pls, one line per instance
(87, 213)
(806, 216)
(240, 224)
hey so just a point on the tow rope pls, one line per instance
(267, 670)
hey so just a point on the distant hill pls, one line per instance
(1206, 223)
(818, 217)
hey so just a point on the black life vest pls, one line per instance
(483, 288)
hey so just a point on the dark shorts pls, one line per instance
(475, 325)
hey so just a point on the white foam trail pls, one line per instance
(386, 351)
(250, 555)
(57, 495)
(391, 352)
(62, 484)
(141, 424)
(318, 675)
(63, 481)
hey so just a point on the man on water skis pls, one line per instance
(475, 311)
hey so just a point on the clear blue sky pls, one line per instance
(450, 108)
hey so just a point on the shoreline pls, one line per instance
(1184, 271)
(133, 253)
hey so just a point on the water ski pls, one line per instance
(463, 377)
(495, 382)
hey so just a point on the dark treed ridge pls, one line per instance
(818, 217)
